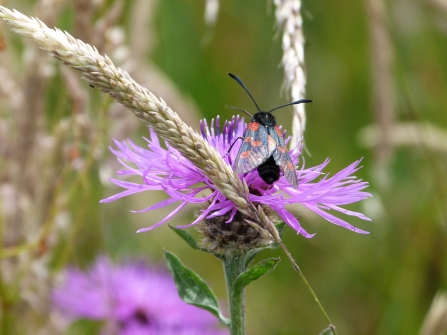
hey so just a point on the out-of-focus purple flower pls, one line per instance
(166, 170)
(133, 299)
(140, 330)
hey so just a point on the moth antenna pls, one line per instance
(245, 88)
(291, 103)
(238, 109)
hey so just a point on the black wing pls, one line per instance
(257, 147)
(282, 157)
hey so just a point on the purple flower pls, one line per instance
(132, 298)
(166, 170)
(139, 330)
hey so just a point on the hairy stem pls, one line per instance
(234, 265)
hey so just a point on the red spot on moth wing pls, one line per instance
(245, 154)
(290, 165)
(254, 150)
(246, 159)
(278, 131)
(238, 166)
(259, 145)
(277, 137)
(282, 158)
(253, 126)
(282, 149)
(247, 162)
(281, 155)
(289, 172)
(271, 144)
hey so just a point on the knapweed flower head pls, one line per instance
(132, 299)
(167, 170)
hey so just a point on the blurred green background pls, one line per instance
(381, 283)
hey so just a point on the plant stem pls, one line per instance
(234, 265)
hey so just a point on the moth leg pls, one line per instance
(232, 145)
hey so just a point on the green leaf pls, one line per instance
(327, 331)
(187, 237)
(192, 289)
(254, 273)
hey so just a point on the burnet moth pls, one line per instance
(263, 145)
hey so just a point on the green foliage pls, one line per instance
(327, 331)
(187, 237)
(254, 273)
(191, 288)
(381, 283)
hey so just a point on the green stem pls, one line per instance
(234, 265)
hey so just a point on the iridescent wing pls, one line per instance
(282, 157)
(256, 148)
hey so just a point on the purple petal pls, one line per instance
(142, 230)
(335, 220)
(158, 205)
(222, 211)
(345, 211)
(167, 170)
(196, 221)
